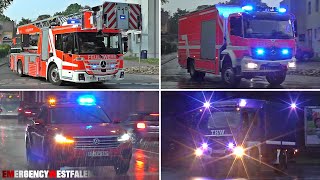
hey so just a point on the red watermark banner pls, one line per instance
(46, 174)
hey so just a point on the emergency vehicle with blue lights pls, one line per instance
(254, 131)
(237, 42)
(77, 134)
(81, 48)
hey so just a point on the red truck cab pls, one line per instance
(77, 135)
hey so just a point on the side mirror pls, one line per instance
(38, 121)
(125, 48)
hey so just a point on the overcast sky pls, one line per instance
(33, 8)
(173, 5)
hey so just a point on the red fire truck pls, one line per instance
(81, 48)
(237, 42)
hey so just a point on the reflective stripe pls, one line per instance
(190, 47)
(288, 143)
(181, 19)
(238, 47)
(207, 12)
(64, 63)
(273, 142)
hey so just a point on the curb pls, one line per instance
(166, 61)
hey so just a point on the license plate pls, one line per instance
(274, 64)
(102, 78)
(97, 153)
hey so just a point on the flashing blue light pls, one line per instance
(87, 100)
(122, 16)
(89, 127)
(242, 103)
(206, 104)
(282, 10)
(260, 51)
(293, 105)
(247, 8)
(73, 21)
(285, 51)
(225, 11)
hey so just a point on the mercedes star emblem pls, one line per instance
(103, 64)
(96, 141)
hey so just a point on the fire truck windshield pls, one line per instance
(78, 114)
(90, 43)
(268, 28)
(225, 119)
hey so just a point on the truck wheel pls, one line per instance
(283, 163)
(20, 69)
(53, 75)
(122, 167)
(276, 78)
(229, 76)
(197, 75)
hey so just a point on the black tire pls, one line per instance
(20, 69)
(197, 75)
(276, 79)
(283, 163)
(122, 167)
(229, 76)
(53, 75)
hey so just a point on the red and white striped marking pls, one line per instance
(134, 13)
(109, 9)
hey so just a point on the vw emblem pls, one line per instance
(96, 141)
(103, 64)
(273, 52)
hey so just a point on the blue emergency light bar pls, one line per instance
(123, 17)
(225, 11)
(73, 21)
(87, 100)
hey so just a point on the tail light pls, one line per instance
(141, 125)
(20, 109)
(27, 112)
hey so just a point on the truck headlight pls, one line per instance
(238, 151)
(59, 138)
(252, 65)
(292, 64)
(198, 152)
(124, 137)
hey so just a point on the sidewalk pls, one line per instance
(168, 57)
(4, 61)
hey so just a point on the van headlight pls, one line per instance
(124, 137)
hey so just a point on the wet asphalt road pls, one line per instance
(144, 162)
(9, 80)
(173, 77)
(294, 172)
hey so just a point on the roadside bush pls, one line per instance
(4, 50)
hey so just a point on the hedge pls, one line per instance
(4, 50)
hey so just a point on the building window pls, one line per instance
(317, 5)
(309, 7)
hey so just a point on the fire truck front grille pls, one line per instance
(98, 66)
(96, 142)
(272, 53)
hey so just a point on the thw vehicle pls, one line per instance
(237, 43)
(78, 135)
(254, 131)
(9, 104)
(82, 48)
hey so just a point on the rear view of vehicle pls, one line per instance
(9, 104)
(143, 126)
(27, 112)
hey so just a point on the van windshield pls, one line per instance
(226, 119)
